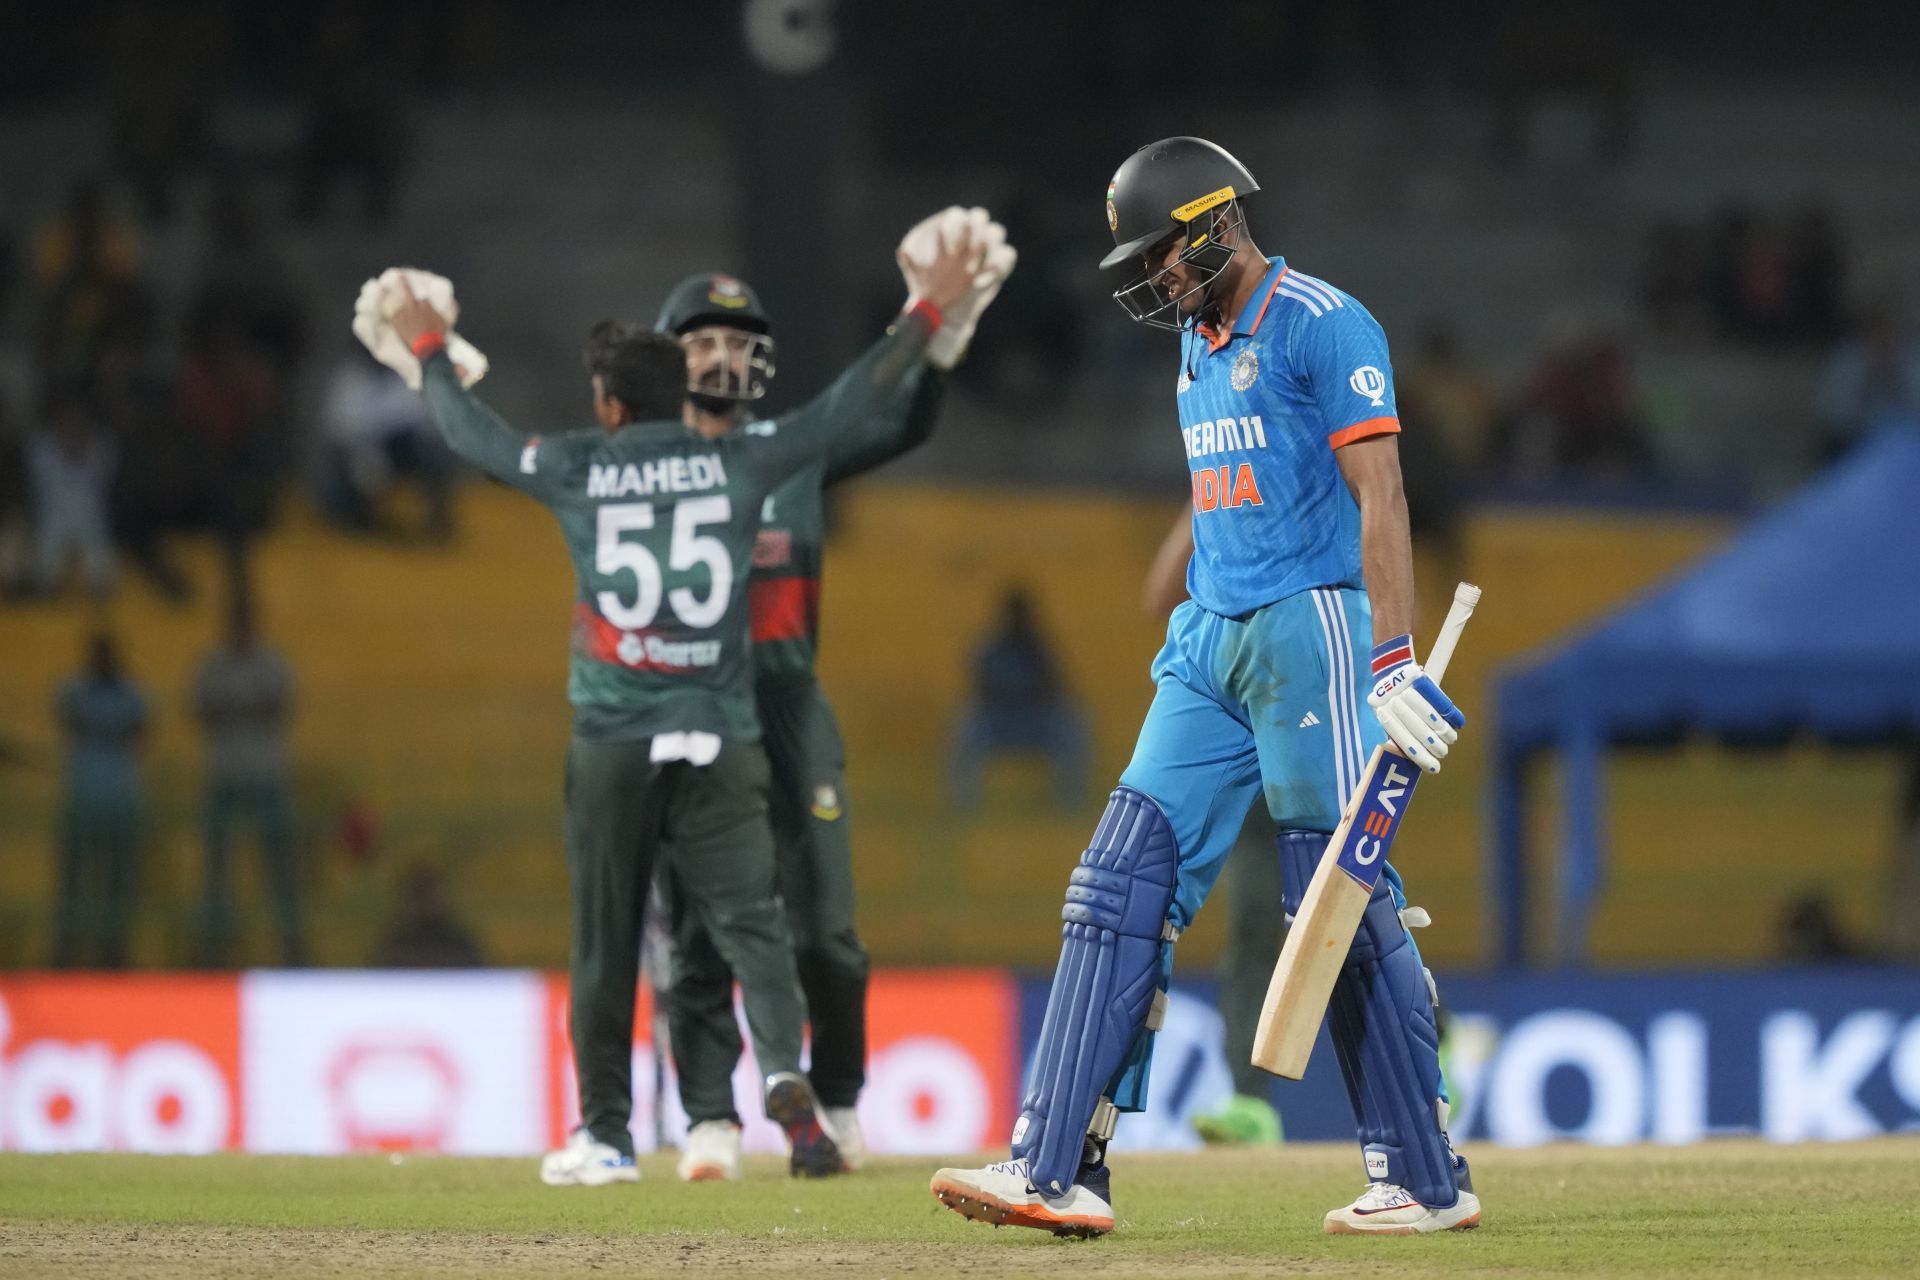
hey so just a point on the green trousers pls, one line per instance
(708, 826)
(815, 867)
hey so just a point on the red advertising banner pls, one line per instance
(99, 1062)
(471, 1062)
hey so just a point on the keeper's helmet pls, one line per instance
(728, 338)
(1174, 188)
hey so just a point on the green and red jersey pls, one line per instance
(661, 525)
(788, 555)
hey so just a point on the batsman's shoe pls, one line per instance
(843, 1126)
(584, 1162)
(790, 1105)
(1245, 1121)
(1386, 1210)
(1002, 1196)
(712, 1154)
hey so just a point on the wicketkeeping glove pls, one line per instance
(921, 244)
(1419, 719)
(381, 296)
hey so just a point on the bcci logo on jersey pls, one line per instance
(1245, 370)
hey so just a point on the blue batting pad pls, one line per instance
(1112, 966)
(1383, 1030)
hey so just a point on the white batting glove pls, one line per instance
(997, 260)
(1420, 719)
(382, 295)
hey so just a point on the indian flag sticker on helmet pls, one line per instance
(725, 291)
(1113, 214)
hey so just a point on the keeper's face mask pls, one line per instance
(727, 364)
(1177, 275)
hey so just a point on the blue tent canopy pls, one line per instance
(1808, 623)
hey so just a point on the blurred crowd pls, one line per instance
(162, 377)
(153, 327)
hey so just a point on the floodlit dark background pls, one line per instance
(1646, 269)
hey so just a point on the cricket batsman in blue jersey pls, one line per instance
(1301, 611)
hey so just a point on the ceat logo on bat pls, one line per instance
(1376, 816)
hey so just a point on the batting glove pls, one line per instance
(997, 261)
(1419, 719)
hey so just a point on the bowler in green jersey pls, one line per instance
(665, 761)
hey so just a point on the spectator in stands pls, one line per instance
(425, 934)
(105, 716)
(71, 462)
(354, 126)
(159, 82)
(1578, 412)
(1871, 379)
(1451, 393)
(164, 482)
(246, 280)
(16, 509)
(9, 268)
(1729, 239)
(1031, 355)
(1772, 282)
(1543, 53)
(1899, 932)
(1811, 932)
(243, 699)
(1456, 408)
(1817, 269)
(84, 271)
(1673, 290)
(1763, 290)
(1020, 705)
(228, 400)
(374, 430)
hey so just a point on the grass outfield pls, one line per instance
(1732, 1208)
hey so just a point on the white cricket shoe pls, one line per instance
(843, 1126)
(1386, 1210)
(586, 1163)
(1002, 1195)
(713, 1152)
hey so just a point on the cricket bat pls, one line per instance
(1336, 898)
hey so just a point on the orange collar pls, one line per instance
(1217, 339)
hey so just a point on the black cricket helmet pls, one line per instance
(1177, 187)
(716, 309)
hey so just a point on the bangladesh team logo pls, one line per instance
(727, 292)
(1113, 214)
(1245, 370)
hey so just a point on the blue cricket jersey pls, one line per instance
(1262, 409)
